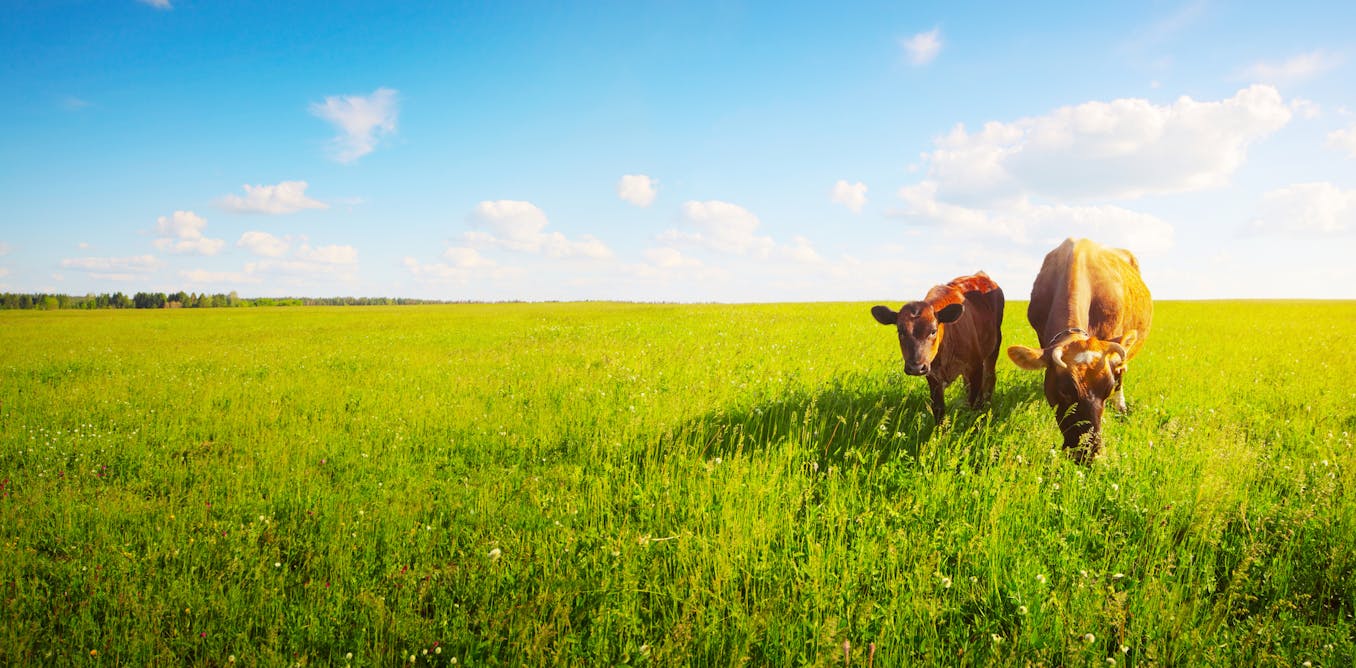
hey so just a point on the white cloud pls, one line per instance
(361, 121)
(327, 255)
(205, 277)
(1125, 148)
(158, 4)
(1306, 208)
(520, 226)
(4, 249)
(264, 244)
(731, 229)
(122, 265)
(1292, 70)
(1344, 140)
(285, 197)
(800, 250)
(462, 266)
(723, 227)
(182, 233)
(923, 47)
(850, 195)
(469, 258)
(1022, 222)
(1305, 108)
(637, 189)
(670, 258)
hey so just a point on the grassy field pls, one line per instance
(595, 484)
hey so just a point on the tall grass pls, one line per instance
(566, 484)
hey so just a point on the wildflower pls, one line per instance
(1118, 576)
(437, 650)
(645, 650)
(411, 658)
(94, 652)
(230, 659)
(426, 651)
(348, 657)
(1115, 487)
(277, 564)
(494, 554)
(1125, 649)
(1021, 609)
(1089, 638)
(996, 638)
(1040, 577)
(946, 582)
(1111, 661)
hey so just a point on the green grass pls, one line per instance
(595, 484)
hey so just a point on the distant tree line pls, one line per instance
(51, 302)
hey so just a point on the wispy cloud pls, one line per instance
(1291, 70)
(637, 189)
(123, 265)
(850, 195)
(158, 4)
(285, 197)
(73, 103)
(1306, 208)
(1344, 140)
(361, 121)
(922, 48)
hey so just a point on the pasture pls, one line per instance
(625, 484)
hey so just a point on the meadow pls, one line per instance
(628, 484)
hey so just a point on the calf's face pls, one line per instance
(920, 330)
(1081, 373)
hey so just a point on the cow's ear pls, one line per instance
(950, 313)
(1128, 339)
(1030, 359)
(884, 315)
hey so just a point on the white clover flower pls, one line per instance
(494, 554)
(1089, 638)
(1040, 577)
(946, 582)
(1021, 610)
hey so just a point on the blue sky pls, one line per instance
(672, 151)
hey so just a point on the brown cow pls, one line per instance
(1091, 312)
(955, 330)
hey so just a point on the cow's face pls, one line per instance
(1081, 373)
(920, 330)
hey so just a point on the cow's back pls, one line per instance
(1089, 286)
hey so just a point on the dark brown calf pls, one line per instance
(956, 330)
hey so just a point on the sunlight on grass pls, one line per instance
(567, 484)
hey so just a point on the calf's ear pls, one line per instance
(950, 313)
(1030, 359)
(884, 315)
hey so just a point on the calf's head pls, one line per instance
(920, 331)
(1081, 372)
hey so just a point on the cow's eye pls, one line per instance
(932, 333)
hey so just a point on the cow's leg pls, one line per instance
(974, 386)
(938, 391)
(991, 367)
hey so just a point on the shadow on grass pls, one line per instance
(855, 420)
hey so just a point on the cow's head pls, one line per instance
(1081, 372)
(920, 331)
